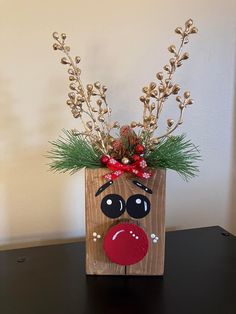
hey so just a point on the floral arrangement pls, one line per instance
(139, 146)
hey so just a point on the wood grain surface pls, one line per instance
(96, 260)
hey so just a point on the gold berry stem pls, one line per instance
(89, 112)
(109, 114)
(175, 126)
(80, 84)
(177, 57)
(161, 100)
(144, 115)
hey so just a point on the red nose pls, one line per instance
(125, 244)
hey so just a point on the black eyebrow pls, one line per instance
(103, 187)
(141, 186)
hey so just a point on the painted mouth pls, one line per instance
(125, 244)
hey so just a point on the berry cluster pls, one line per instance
(127, 148)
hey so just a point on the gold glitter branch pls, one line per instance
(89, 104)
(156, 94)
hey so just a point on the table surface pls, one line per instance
(200, 278)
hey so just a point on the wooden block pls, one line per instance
(153, 223)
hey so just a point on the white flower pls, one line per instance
(108, 176)
(143, 164)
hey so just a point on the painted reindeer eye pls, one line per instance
(138, 206)
(113, 205)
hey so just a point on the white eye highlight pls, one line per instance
(138, 201)
(145, 206)
(109, 202)
(121, 205)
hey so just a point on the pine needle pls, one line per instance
(73, 152)
(175, 153)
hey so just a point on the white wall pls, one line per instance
(123, 44)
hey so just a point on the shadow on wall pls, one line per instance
(232, 215)
(32, 210)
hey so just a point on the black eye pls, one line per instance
(138, 206)
(113, 205)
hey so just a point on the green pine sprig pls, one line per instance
(73, 152)
(176, 153)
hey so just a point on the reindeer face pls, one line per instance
(125, 243)
(125, 219)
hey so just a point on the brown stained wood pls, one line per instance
(153, 262)
(96, 221)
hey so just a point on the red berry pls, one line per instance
(139, 149)
(104, 159)
(135, 158)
